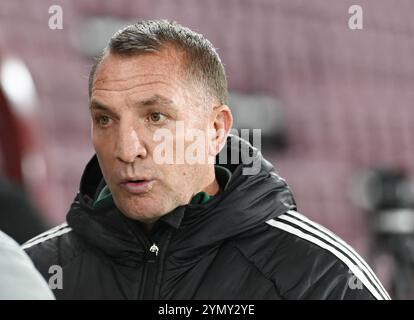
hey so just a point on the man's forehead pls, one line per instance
(168, 59)
(122, 71)
(138, 72)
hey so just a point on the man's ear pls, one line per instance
(222, 122)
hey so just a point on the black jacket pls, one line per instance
(246, 243)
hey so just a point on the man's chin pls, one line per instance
(143, 213)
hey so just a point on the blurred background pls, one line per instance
(335, 106)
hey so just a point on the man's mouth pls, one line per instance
(137, 186)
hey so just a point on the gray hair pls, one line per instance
(201, 59)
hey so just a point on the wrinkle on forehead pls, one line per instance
(106, 85)
(132, 77)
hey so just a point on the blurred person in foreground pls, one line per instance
(17, 207)
(144, 229)
(19, 279)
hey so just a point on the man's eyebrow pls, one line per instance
(99, 105)
(156, 99)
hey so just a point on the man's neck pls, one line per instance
(213, 188)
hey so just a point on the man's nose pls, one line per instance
(129, 146)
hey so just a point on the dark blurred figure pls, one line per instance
(388, 196)
(18, 217)
(23, 167)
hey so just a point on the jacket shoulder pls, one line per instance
(55, 247)
(307, 261)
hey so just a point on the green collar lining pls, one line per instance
(104, 198)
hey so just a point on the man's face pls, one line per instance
(133, 97)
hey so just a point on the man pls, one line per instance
(19, 279)
(143, 228)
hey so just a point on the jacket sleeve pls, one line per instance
(337, 282)
(305, 267)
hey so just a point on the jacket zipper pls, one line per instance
(153, 267)
(148, 268)
(154, 249)
(151, 272)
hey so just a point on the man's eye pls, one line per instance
(157, 117)
(103, 120)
